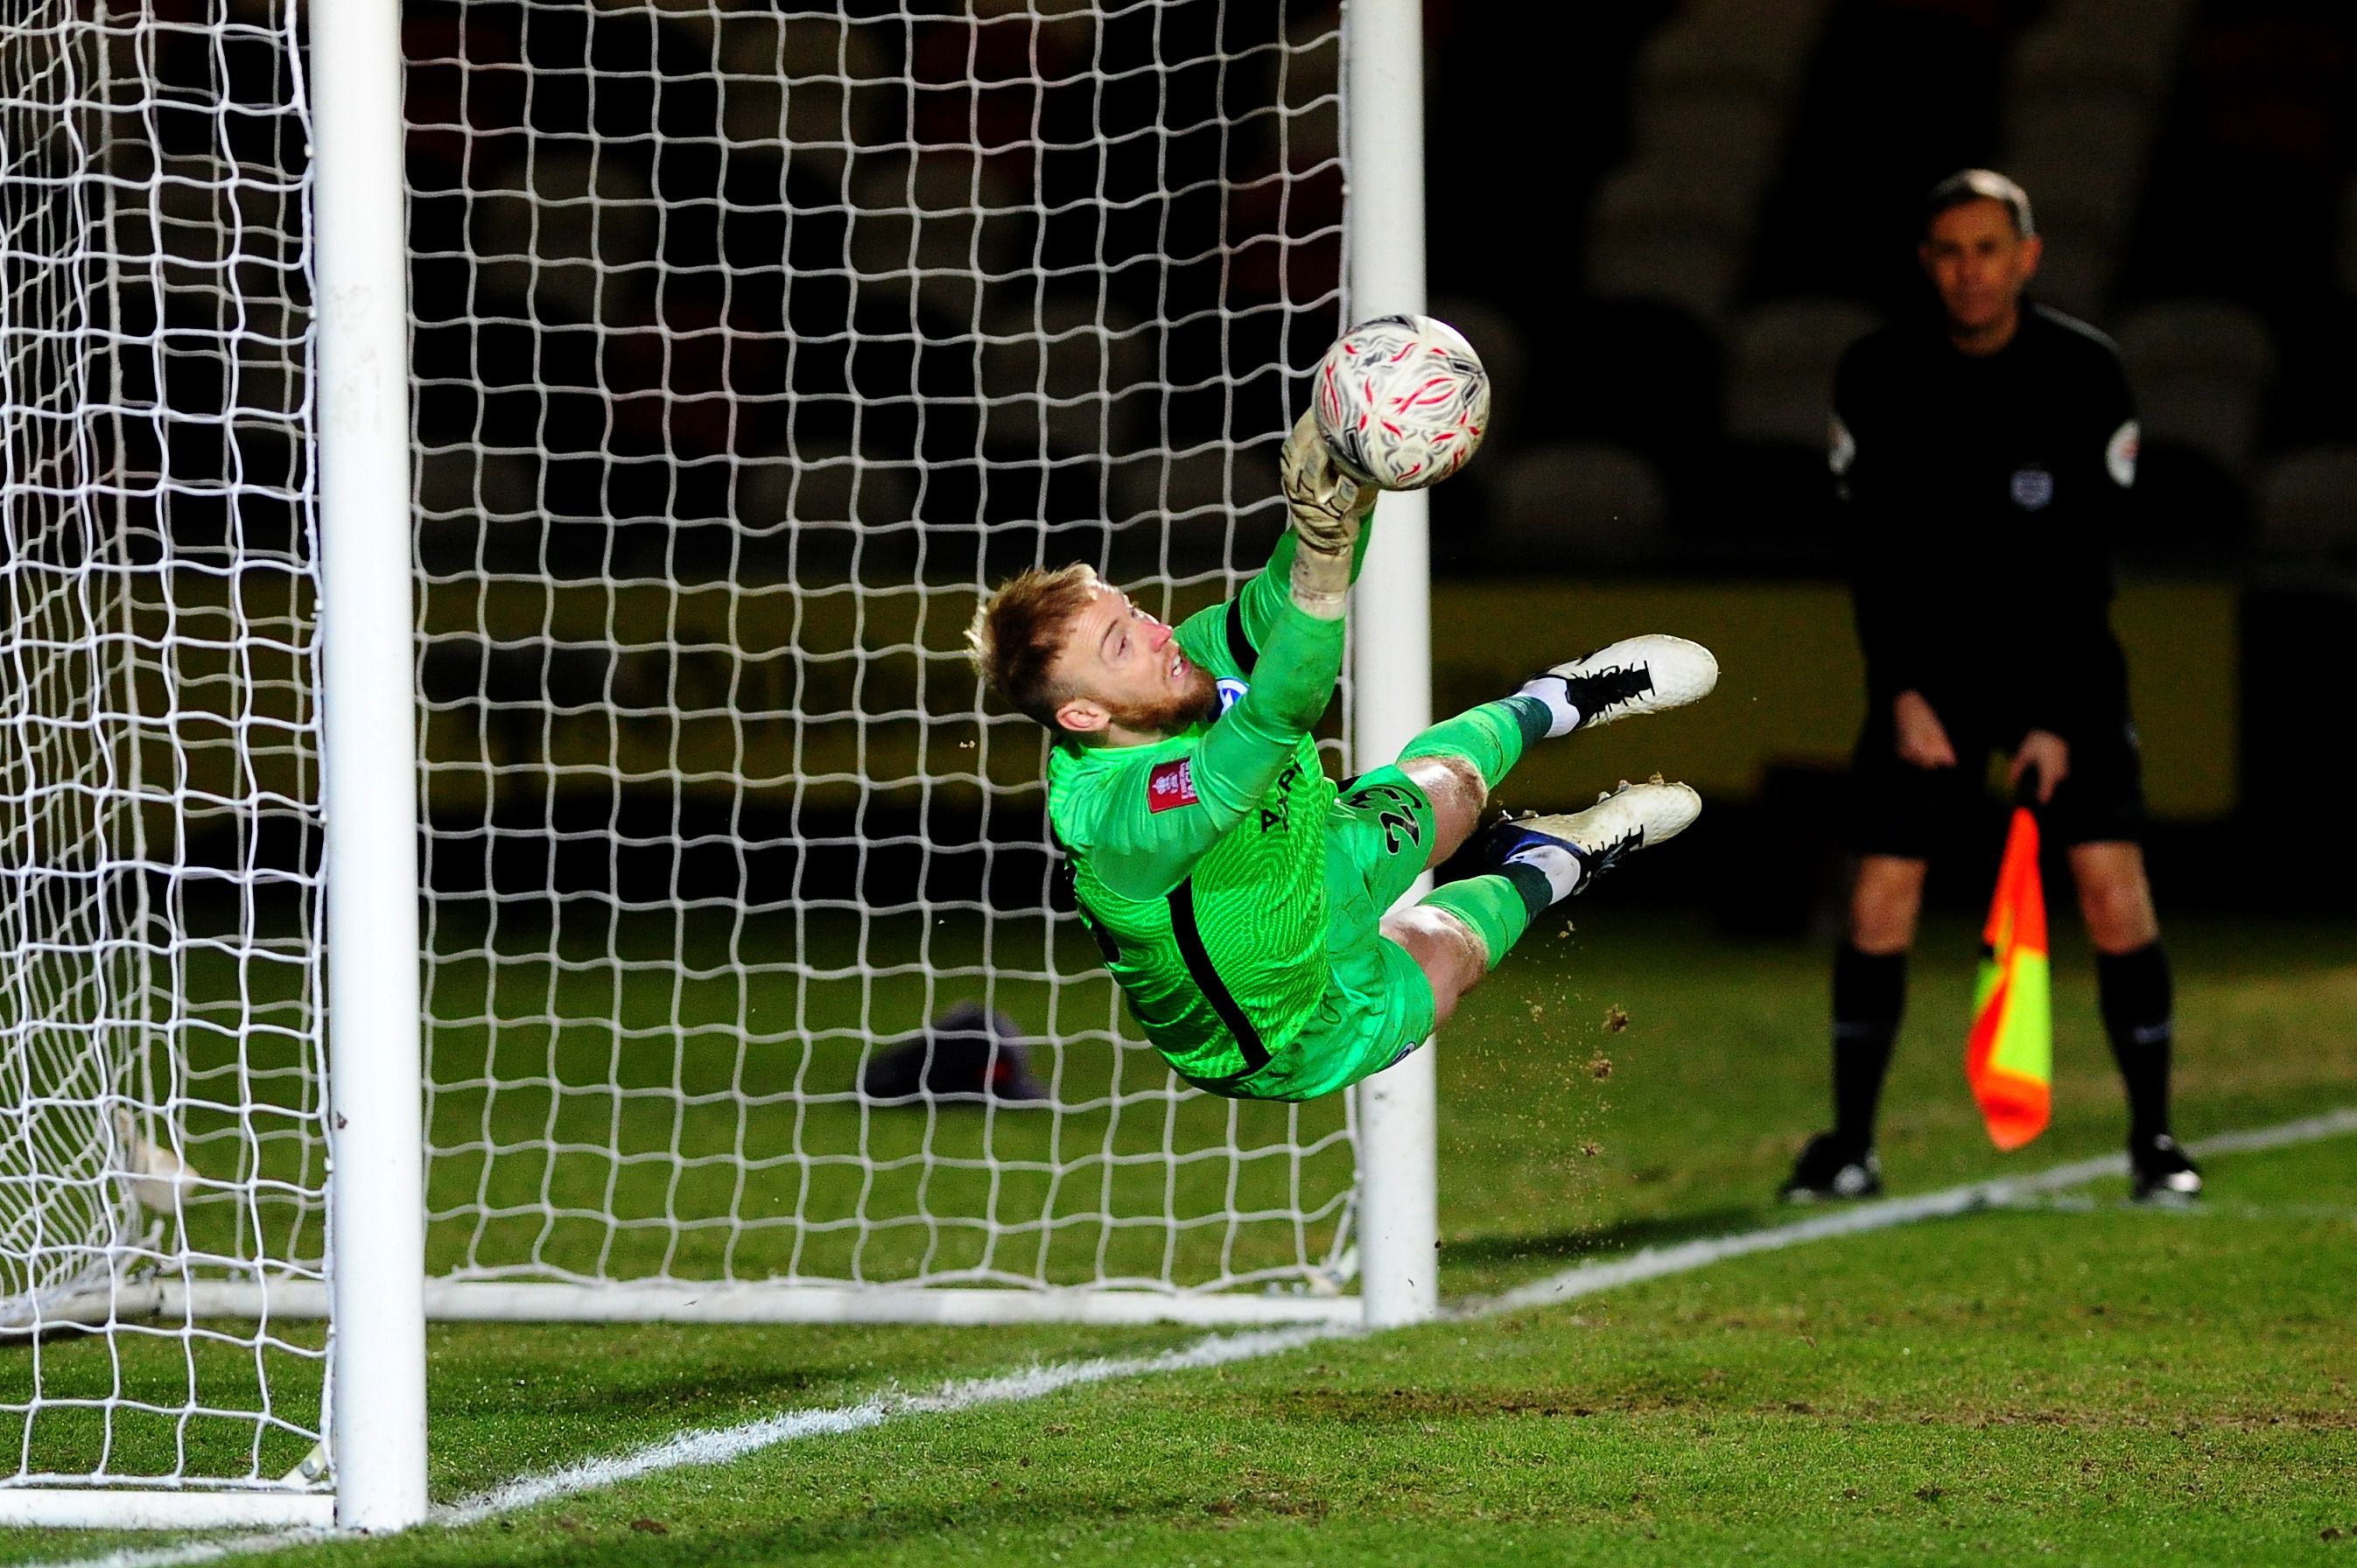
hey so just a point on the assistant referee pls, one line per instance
(1984, 460)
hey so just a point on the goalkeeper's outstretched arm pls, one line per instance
(1147, 843)
(1324, 503)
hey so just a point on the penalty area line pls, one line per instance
(719, 1445)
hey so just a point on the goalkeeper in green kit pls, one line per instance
(1239, 898)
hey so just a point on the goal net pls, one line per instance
(749, 349)
(161, 1084)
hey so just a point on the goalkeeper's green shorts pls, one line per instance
(1377, 1006)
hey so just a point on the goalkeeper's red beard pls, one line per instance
(1195, 700)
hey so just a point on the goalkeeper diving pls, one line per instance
(1242, 899)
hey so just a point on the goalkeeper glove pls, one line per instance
(1328, 501)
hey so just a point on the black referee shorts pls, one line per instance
(1900, 809)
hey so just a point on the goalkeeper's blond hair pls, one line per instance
(1017, 632)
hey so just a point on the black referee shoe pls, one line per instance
(2160, 1172)
(1832, 1168)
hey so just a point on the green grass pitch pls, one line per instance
(2078, 1382)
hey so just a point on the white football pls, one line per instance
(1402, 400)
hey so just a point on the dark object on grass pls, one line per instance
(966, 1053)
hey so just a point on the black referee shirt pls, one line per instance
(1981, 496)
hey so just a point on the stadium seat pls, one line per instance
(1200, 487)
(1728, 140)
(2082, 261)
(1661, 235)
(1573, 503)
(1709, 108)
(498, 487)
(1781, 364)
(1067, 386)
(1311, 77)
(478, 508)
(809, 512)
(2307, 504)
(2084, 198)
(2110, 46)
(1651, 377)
(2103, 130)
(809, 85)
(1757, 47)
(1897, 94)
(2200, 370)
(2076, 277)
(556, 226)
(964, 207)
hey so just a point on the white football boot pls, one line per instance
(1623, 819)
(1635, 675)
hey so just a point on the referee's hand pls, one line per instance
(2044, 753)
(1922, 738)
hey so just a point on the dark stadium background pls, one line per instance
(1733, 198)
(1659, 223)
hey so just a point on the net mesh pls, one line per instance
(160, 1062)
(751, 348)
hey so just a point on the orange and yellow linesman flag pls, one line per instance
(2009, 1058)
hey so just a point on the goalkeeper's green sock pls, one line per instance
(1491, 737)
(1498, 906)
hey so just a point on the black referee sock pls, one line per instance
(2133, 990)
(1870, 996)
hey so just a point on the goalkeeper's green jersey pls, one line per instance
(1199, 861)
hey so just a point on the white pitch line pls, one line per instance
(1654, 1262)
(2209, 1209)
(719, 1445)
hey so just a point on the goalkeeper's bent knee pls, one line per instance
(1492, 737)
(1497, 906)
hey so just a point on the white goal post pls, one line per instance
(493, 491)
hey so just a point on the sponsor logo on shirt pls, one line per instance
(1232, 692)
(1170, 784)
(2032, 488)
(2120, 455)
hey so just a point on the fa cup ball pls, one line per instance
(1401, 400)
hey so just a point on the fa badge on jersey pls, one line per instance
(1232, 692)
(1170, 784)
(2032, 488)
